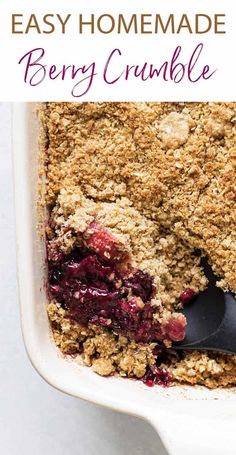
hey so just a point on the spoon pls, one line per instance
(211, 319)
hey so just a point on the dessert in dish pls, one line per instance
(136, 194)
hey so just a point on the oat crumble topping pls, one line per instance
(160, 179)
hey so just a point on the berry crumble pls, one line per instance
(136, 194)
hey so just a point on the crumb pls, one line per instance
(174, 129)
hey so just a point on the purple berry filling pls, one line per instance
(141, 285)
(157, 376)
(96, 289)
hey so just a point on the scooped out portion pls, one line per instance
(115, 284)
(97, 284)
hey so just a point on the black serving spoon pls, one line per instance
(211, 319)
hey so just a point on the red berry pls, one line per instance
(175, 327)
(131, 306)
(104, 244)
(186, 296)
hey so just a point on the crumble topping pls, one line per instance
(174, 129)
(105, 351)
(160, 177)
(209, 369)
(219, 123)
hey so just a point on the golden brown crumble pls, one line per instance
(106, 352)
(206, 368)
(161, 177)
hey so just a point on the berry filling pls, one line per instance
(105, 245)
(97, 285)
(156, 375)
(141, 285)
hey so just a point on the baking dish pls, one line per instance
(188, 419)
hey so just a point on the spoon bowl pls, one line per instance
(211, 319)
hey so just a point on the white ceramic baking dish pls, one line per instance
(189, 420)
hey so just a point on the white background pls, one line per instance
(35, 419)
(72, 48)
